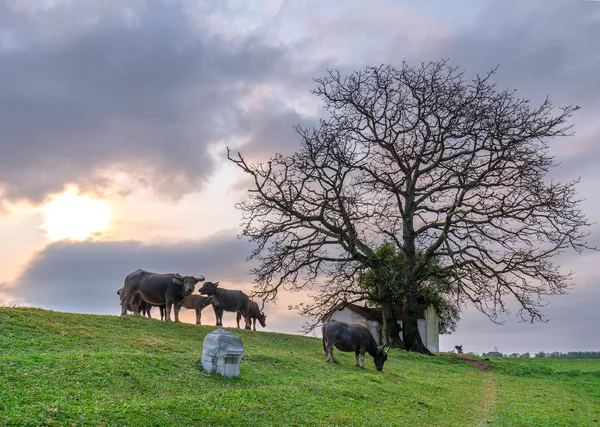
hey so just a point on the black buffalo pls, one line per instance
(227, 300)
(255, 314)
(198, 303)
(356, 338)
(158, 289)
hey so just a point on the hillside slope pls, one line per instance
(73, 369)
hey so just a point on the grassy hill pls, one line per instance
(78, 370)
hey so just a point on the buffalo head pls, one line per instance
(209, 288)
(188, 282)
(262, 319)
(381, 356)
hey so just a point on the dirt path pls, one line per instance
(482, 365)
(488, 401)
(486, 412)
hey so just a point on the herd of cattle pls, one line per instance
(143, 290)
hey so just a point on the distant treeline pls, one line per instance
(553, 355)
(570, 355)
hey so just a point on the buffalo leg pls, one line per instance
(136, 305)
(362, 359)
(245, 310)
(238, 316)
(254, 324)
(176, 308)
(216, 310)
(168, 312)
(248, 321)
(356, 354)
(329, 351)
(219, 316)
(198, 317)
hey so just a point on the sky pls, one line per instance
(115, 116)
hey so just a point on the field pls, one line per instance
(64, 369)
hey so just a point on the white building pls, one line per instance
(427, 318)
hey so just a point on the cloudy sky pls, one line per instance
(115, 115)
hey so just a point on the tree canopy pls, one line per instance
(437, 289)
(450, 168)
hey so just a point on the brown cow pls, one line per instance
(198, 303)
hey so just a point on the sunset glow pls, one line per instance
(75, 217)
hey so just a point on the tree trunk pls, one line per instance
(391, 329)
(410, 326)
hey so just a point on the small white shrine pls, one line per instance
(222, 352)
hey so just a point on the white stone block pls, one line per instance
(222, 352)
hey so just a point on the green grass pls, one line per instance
(73, 369)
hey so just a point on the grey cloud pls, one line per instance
(145, 98)
(272, 134)
(275, 133)
(543, 48)
(581, 158)
(85, 276)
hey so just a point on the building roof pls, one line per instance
(371, 313)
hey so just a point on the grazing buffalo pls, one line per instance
(158, 289)
(356, 338)
(132, 305)
(227, 300)
(255, 314)
(198, 303)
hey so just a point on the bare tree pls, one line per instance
(453, 168)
